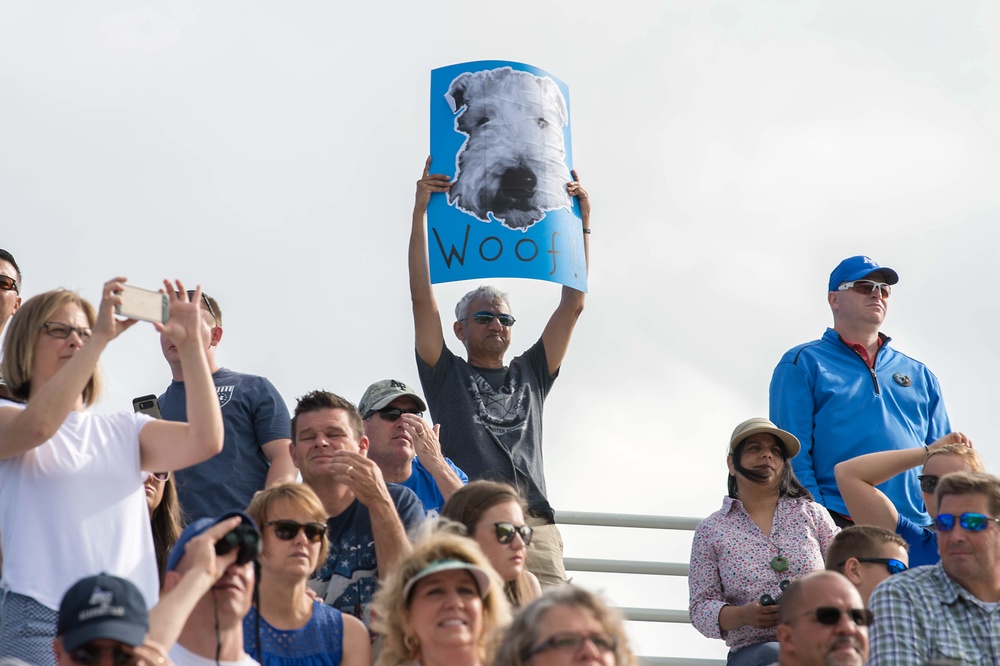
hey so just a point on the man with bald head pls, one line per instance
(851, 393)
(822, 622)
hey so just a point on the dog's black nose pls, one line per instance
(518, 183)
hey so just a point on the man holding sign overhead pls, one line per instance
(490, 412)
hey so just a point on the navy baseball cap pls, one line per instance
(102, 606)
(198, 527)
(855, 268)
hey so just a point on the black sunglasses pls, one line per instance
(286, 530)
(506, 531)
(485, 317)
(62, 331)
(208, 305)
(972, 522)
(392, 413)
(928, 482)
(893, 565)
(830, 615)
(8, 283)
(91, 654)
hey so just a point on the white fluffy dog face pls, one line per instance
(513, 162)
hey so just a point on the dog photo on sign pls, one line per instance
(512, 165)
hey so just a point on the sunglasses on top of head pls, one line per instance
(208, 305)
(286, 530)
(866, 287)
(485, 317)
(971, 522)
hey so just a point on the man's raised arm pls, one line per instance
(426, 318)
(559, 330)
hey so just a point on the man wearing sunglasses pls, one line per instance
(822, 622)
(867, 555)
(851, 393)
(491, 412)
(405, 447)
(950, 610)
(255, 450)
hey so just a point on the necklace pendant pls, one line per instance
(779, 563)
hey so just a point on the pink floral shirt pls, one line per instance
(731, 561)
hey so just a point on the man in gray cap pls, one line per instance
(403, 446)
(101, 615)
(850, 393)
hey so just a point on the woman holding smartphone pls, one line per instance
(72, 502)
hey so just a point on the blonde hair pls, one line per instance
(972, 458)
(438, 541)
(299, 496)
(22, 334)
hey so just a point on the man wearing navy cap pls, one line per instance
(100, 615)
(850, 393)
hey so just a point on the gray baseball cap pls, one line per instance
(381, 393)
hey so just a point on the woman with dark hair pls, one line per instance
(493, 515)
(767, 533)
(71, 494)
(165, 515)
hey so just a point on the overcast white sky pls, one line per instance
(734, 152)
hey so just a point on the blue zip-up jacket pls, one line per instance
(824, 393)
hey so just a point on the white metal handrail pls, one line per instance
(638, 567)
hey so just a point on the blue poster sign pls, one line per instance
(501, 131)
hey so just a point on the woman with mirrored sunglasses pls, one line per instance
(567, 624)
(71, 491)
(493, 515)
(768, 533)
(287, 625)
(857, 480)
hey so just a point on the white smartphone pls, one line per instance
(143, 304)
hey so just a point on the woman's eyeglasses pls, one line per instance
(286, 530)
(62, 331)
(506, 531)
(972, 522)
(159, 476)
(571, 642)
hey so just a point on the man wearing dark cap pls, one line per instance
(850, 393)
(404, 447)
(213, 630)
(100, 616)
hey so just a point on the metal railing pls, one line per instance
(678, 616)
